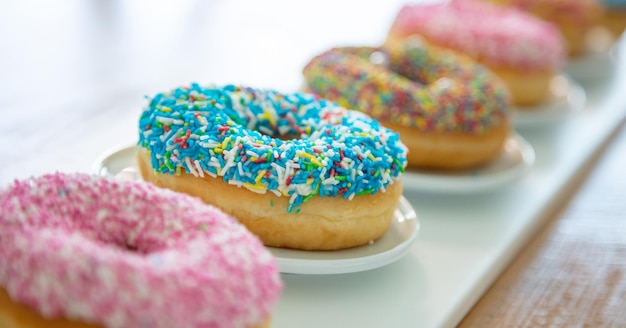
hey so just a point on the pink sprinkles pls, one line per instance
(128, 254)
(496, 35)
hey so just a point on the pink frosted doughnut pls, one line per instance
(574, 18)
(497, 35)
(127, 254)
(524, 51)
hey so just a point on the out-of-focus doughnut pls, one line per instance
(521, 49)
(614, 16)
(574, 18)
(451, 112)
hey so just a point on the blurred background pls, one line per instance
(124, 44)
(94, 61)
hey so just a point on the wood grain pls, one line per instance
(573, 273)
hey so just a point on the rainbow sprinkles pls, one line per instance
(294, 145)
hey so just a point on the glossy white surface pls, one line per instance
(119, 162)
(74, 74)
(516, 159)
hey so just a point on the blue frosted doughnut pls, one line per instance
(293, 145)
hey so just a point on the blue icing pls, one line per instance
(235, 133)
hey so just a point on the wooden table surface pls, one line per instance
(66, 67)
(573, 272)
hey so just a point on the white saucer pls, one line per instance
(120, 163)
(566, 97)
(599, 61)
(592, 67)
(389, 248)
(514, 161)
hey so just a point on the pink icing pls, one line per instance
(127, 254)
(498, 36)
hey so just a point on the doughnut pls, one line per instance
(614, 16)
(298, 171)
(84, 251)
(574, 18)
(522, 50)
(450, 112)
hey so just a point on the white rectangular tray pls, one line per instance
(465, 241)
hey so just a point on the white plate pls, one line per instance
(389, 248)
(120, 163)
(516, 158)
(566, 97)
(592, 67)
(600, 59)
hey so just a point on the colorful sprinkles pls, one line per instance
(411, 84)
(293, 145)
